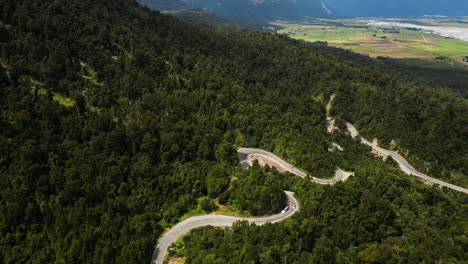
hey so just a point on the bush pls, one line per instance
(208, 205)
(258, 191)
(224, 197)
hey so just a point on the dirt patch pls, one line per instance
(364, 39)
(262, 161)
(385, 46)
(310, 28)
(427, 183)
(409, 40)
(460, 59)
(375, 142)
(378, 154)
(329, 105)
(225, 210)
(176, 260)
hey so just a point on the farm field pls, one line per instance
(393, 42)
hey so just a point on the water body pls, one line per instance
(452, 32)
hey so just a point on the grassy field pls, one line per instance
(377, 41)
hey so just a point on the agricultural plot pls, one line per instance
(391, 42)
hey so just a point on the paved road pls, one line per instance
(185, 226)
(246, 158)
(404, 165)
(248, 155)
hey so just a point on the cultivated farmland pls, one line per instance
(375, 41)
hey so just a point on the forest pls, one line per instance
(365, 220)
(440, 72)
(256, 191)
(116, 120)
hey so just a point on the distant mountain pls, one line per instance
(265, 10)
(164, 4)
(398, 8)
(211, 19)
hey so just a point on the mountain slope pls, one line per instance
(265, 10)
(208, 18)
(116, 120)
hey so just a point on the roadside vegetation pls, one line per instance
(257, 191)
(174, 101)
(370, 218)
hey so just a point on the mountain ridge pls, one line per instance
(263, 10)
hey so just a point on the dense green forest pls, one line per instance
(116, 119)
(378, 216)
(256, 191)
(207, 18)
(369, 219)
(440, 72)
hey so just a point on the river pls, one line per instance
(452, 32)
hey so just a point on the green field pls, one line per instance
(391, 42)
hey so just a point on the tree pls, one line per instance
(207, 205)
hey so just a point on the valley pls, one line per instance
(386, 38)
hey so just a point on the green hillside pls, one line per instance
(116, 120)
(265, 10)
(210, 19)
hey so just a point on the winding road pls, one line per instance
(246, 157)
(185, 226)
(404, 165)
